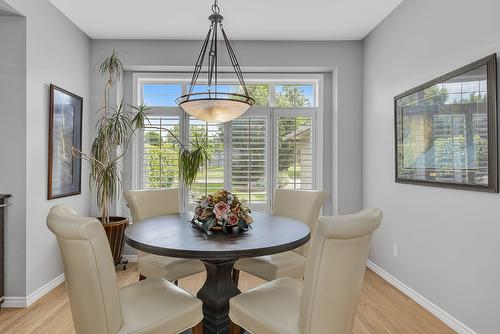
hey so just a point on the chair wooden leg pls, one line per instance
(233, 328)
(236, 276)
(141, 277)
(198, 329)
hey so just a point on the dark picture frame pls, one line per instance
(65, 132)
(445, 130)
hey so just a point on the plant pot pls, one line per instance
(115, 230)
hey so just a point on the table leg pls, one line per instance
(215, 294)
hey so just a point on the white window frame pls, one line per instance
(271, 112)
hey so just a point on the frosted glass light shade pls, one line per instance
(215, 111)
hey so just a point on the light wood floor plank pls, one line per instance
(382, 309)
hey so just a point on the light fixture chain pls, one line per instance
(215, 7)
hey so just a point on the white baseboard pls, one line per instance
(130, 258)
(20, 302)
(441, 314)
(34, 296)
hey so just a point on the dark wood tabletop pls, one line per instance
(174, 236)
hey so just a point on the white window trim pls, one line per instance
(141, 78)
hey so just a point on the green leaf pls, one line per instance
(111, 66)
(190, 161)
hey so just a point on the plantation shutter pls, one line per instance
(249, 152)
(160, 153)
(294, 147)
(210, 178)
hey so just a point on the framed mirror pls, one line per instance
(446, 130)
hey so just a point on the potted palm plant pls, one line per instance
(116, 126)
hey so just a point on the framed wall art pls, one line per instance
(65, 132)
(446, 130)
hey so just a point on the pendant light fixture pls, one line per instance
(213, 105)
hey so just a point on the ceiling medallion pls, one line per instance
(212, 105)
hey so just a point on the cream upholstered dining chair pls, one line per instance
(145, 204)
(98, 306)
(303, 205)
(325, 302)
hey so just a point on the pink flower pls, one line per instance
(221, 210)
(233, 219)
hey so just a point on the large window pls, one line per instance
(274, 145)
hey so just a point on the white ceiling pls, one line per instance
(244, 20)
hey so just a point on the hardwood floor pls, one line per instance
(382, 309)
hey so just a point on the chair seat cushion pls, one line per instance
(170, 268)
(156, 306)
(287, 264)
(272, 308)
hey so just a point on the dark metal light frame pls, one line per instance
(213, 63)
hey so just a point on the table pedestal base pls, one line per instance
(215, 294)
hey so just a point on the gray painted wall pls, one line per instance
(344, 58)
(13, 148)
(59, 53)
(449, 249)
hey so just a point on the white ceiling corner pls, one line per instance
(244, 20)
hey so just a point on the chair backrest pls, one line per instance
(147, 203)
(89, 271)
(303, 205)
(335, 270)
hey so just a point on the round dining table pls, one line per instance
(174, 236)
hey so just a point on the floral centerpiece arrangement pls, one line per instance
(221, 211)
